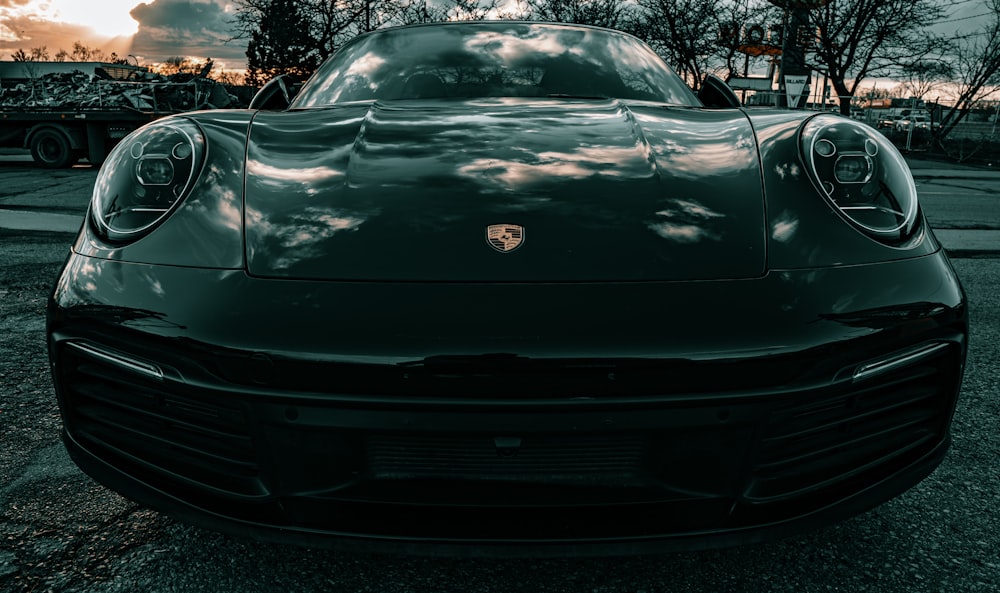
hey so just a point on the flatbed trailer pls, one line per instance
(64, 116)
(59, 138)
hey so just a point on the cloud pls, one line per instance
(196, 29)
(29, 31)
(200, 29)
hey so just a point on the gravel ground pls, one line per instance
(61, 532)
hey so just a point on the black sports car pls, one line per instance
(506, 287)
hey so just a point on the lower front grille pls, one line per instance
(141, 424)
(730, 461)
(879, 424)
(594, 459)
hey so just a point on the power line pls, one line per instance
(964, 18)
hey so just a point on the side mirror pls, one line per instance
(716, 94)
(277, 94)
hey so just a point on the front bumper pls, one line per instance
(696, 429)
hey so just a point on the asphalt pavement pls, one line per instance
(39, 221)
(960, 242)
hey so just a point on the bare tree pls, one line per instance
(297, 35)
(601, 13)
(859, 39)
(684, 32)
(701, 36)
(923, 76)
(83, 53)
(308, 31)
(475, 10)
(976, 60)
(35, 54)
(180, 65)
(278, 40)
(734, 18)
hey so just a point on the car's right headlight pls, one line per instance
(145, 177)
(863, 176)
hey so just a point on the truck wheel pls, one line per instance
(50, 149)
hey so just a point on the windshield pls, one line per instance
(494, 59)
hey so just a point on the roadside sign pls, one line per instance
(794, 84)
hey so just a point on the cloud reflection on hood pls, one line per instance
(301, 236)
(686, 221)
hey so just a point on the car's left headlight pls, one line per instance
(145, 177)
(862, 175)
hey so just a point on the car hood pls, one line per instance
(504, 190)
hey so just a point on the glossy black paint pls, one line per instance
(678, 343)
(405, 360)
(786, 312)
(676, 193)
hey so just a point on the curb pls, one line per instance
(955, 174)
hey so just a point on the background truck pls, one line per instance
(65, 111)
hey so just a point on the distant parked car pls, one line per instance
(918, 122)
(889, 121)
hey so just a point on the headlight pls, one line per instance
(862, 175)
(145, 177)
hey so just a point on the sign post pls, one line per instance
(794, 73)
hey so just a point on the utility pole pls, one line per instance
(913, 121)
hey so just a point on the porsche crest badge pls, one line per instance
(505, 237)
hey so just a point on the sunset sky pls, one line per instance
(155, 30)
